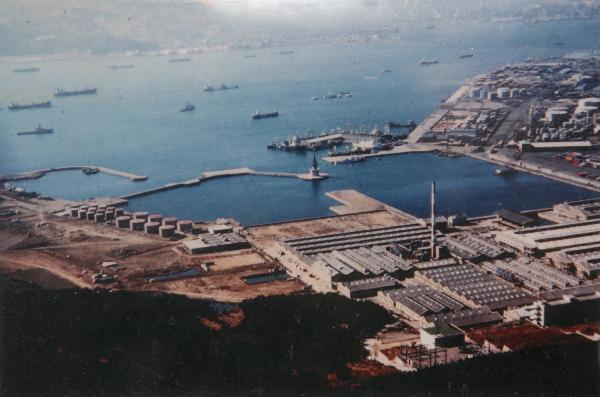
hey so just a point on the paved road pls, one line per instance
(508, 126)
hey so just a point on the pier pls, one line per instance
(354, 202)
(40, 173)
(396, 150)
(208, 175)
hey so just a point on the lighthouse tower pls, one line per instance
(314, 169)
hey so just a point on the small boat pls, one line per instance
(382, 71)
(39, 130)
(463, 56)
(428, 61)
(315, 98)
(284, 52)
(187, 108)
(175, 60)
(249, 56)
(505, 171)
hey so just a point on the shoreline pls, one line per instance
(184, 51)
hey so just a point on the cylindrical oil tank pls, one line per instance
(155, 218)
(99, 217)
(119, 212)
(123, 221)
(82, 214)
(137, 224)
(90, 215)
(184, 226)
(109, 215)
(74, 211)
(198, 229)
(140, 215)
(93, 208)
(102, 207)
(151, 227)
(167, 231)
(169, 221)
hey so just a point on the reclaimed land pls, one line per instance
(85, 342)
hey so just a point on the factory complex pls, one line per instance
(453, 279)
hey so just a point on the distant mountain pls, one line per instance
(91, 27)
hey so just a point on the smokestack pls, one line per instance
(433, 255)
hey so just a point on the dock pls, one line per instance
(40, 173)
(354, 202)
(426, 125)
(396, 150)
(209, 175)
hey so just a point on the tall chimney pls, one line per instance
(433, 255)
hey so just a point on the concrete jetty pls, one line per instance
(355, 202)
(208, 175)
(40, 173)
(396, 150)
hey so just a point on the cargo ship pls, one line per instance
(188, 107)
(222, 87)
(394, 124)
(428, 61)
(259, 115)
(86, 91)
(33, 105)
(39, 130)
(174, 60)
(26, 70)
(121, 66)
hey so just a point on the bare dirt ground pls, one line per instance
(57, 251)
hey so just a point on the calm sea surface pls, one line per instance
(133, 124)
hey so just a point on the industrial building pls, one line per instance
(514, 218)
(532, 274)
(368, 287)
(473, 287)
(402, 234)
(466, 318)
(553, 237)
(209, 243)
(567, 306)
(434, 263)
(526, 146)
(441, 336)
(579, 211)
(474, 249)
(337, 266)
(585, 260)
(419, 301)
